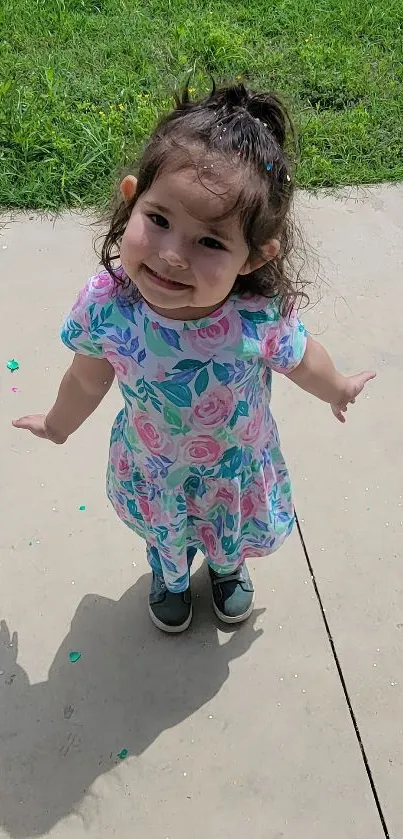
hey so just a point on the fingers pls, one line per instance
(369, 375)
(363, 378)
(23, 422)
(5, 633)
(356, 386)
(338, 412)
(34, 424)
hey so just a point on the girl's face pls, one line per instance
(183, 262)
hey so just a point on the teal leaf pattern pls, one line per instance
(176, 393)
(221, 373)
(201, 382)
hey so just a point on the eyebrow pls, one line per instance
(214, 229)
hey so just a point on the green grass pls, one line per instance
(82, 82)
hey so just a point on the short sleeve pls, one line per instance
(284, 343)
(79, 331)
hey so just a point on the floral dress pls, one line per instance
(194, 457)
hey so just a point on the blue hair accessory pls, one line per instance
(269, 167)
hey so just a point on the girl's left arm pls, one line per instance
(81, 390)
(317, 374)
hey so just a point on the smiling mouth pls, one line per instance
(164, 282)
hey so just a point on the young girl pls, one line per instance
(193, 311)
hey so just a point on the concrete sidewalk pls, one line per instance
(229, 734)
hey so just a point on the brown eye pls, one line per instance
(214, 244)
(158, 220)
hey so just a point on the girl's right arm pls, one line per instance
(81, 390)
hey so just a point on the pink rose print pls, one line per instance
(208, 535)
(192, 508)
(214, 408)
(144, 507)
(157, 442)
(251, 432)
(270, 343)
(119, 364)
(208, 339)
(227, 495)
(123, 467)
(102, 287)
(160, 374)
(249, 504)
(202, 449)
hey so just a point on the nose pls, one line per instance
(173, 253)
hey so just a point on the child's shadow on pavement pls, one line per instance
(131, 683)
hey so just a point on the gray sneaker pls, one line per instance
(169, 611)
(233, 594)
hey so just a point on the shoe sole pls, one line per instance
(172, 630)
(236, 618)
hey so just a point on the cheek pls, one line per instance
(135, 241)
(216, 273)
(212, 267)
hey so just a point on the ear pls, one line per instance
(128, 187)
(268, 253)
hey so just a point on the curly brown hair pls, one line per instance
(244, 129)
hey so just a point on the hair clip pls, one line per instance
(269, 167)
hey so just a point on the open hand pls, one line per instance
(37, 425)
(353, 385)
